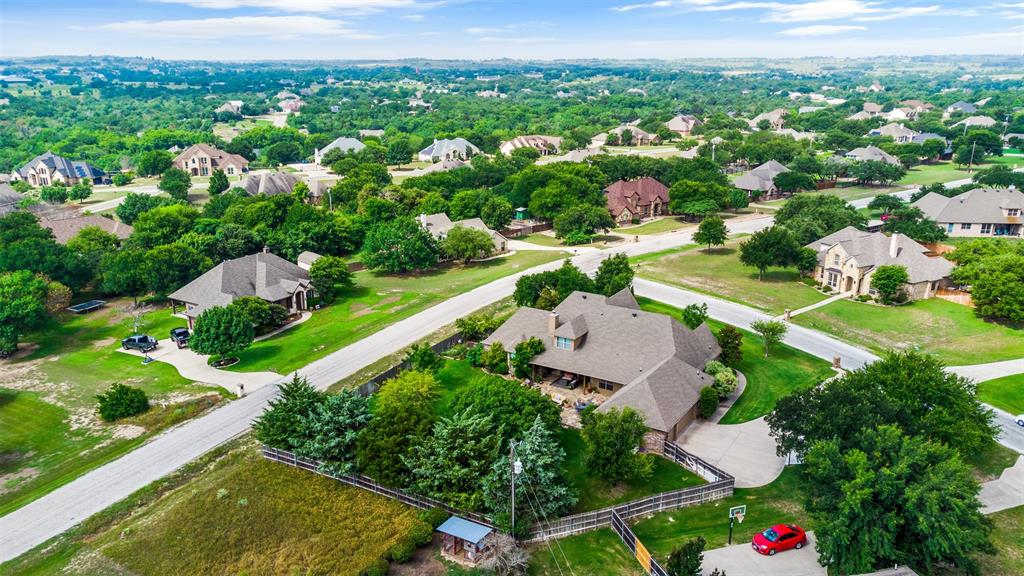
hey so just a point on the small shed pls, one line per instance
(465, 541)
(522, 214)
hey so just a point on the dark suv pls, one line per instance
(180, 336)
(140, 342)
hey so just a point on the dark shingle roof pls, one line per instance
(263, 275)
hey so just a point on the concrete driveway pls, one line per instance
(742, 560)
(744, 450)
(194, 367)
(1005, 492)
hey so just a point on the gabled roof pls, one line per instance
(962, 106)
(872, 153)
(683, 123)
(645, 191)
(976, 121)
(439, 224)
(9, 199)
(761, 178)
(894, 130)
(263, 275)
(981, 206)
(65, 167)
(270, 184)
(344, 144)
(873, 249)
(656, 358)
(440, 148)
(217, 156)
(926, 136)
(67, 228)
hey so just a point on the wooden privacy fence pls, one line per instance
(368, 484)
(956, 296)
(636, 547)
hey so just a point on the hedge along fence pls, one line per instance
(373, 384)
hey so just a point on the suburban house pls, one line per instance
(270, 184)
(972, 121)
(230, 107)
(683, 124)
(899, 133)
(49, 168)
(543, 144)
(848, 258)
(65, 229)
(264, 275)
(761, 180)
(439, 224)
(872, 109)
(291, 105)
(776, 119)
(642, 360)
(580, 155)
(630, 200)
(961, 106)
(449, 149)
(639, 137)
(861, 115)
(344, 144)
(977, 213)
(874, 153)
(918, 106)
(9, 199)
(203, 159)
(371, 132)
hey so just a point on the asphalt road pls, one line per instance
(65, 507)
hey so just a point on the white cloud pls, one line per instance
(413, 17)
(817, 10)
(297, 5)
(820, 30)
(477, 30)
(895, 13)
(516, 39)
(662, 4)
(237, 27)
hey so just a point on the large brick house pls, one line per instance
(203, 159)
(630, 200)
(642, 360)
(978, 213)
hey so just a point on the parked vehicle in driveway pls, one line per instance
(180, 336)
(1020, 419)
(779, 538)
(140, 342)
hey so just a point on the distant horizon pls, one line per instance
(384, 30)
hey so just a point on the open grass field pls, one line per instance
(597, 553)
(540, 239)
(768, 379)
(594, 493)
(1004, 393)
(950, 331)
(232, 513)
(721, 274)
(49, 432)
(857, 192)
(931, 173)
(1008, 538)
(666, 224)
(377, 301)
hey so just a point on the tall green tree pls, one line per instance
(403, 417)
(888, 281)
(545, 492)
(451, 463)
(893, 499)
(771, 331)
(22, 306)
(281, 422)
(221, 331)
(686, 559)
(730, 340)
(218, 182)
(773, 246)
(331, 429)
(711, 232)
(612, 441)
(176, 182)
(124, 273)
(80, 191)
(614, 274)
(329, 274)
(170, 266)
(401, 245)
(465, 244)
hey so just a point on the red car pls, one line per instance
(778, 538)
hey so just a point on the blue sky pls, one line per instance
(484, 29)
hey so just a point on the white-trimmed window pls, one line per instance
(986, 228)
(563, 343)
(965, 226)
(1013, 211)
(605, 385)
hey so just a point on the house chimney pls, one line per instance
(552, 323)
(266, 249)
(894, 248)
(423, 220)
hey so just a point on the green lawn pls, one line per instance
(599, 241)
(596, 553)
(778, 502)
(49, 434)
(950, 331)
(931, 173)
(594, 493)
(721, 274)
(377, 301)
(1004, 393)
(989, 464)
(666, 224)
(857, 192)
(768, 379)
(1008, 538)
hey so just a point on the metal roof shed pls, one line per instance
(464, 541)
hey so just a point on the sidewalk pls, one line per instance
(816, 305)
(1005, 492)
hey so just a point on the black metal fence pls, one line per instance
(636, 547)
(371, 386)
(368, 484)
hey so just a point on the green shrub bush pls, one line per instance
(421, 533)
(475, 355)
(121, 401)
(725, 383)
(403, 551)
(713, 367)
(708, 402)
(434, 517)
(380, 567)
(577, 238)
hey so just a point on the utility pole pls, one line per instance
(971, 161)
(517, 468)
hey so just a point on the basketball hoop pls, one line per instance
(739, 518)
(736, 514)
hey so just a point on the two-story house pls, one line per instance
(203, 159)
(982, 212)
(48, 169)
(630, 200)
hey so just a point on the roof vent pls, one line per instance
(634, 314)
(584, 296)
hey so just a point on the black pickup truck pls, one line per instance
(180, 336)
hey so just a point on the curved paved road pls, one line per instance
(65, 507)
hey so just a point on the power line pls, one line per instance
(529, 487)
